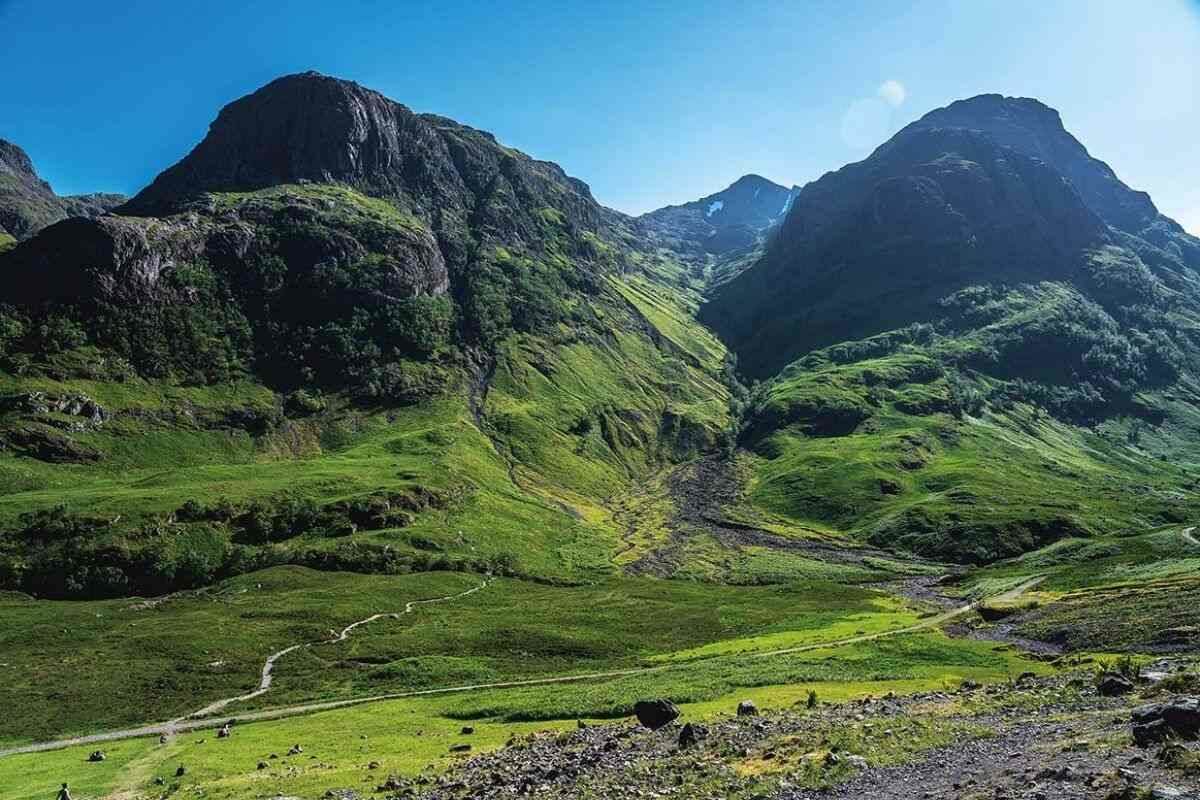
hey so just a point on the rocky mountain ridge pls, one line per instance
(28, 203)
(735, 218)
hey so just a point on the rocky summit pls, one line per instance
(362, 455)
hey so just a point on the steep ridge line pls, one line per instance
(268, 669)
(191, 723)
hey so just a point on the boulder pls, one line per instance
(1111, 685)
(1158, 722)
(96, 756)
(746, 708)
(688, 736)
(654, 714)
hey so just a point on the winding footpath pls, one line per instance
(200, 719)
(264, 684)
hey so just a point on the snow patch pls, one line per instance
(714, 207)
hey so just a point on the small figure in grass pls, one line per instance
(64, 793)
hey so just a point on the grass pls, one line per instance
(411, 735)
(975, 488)
(74, 667)
(349, 203)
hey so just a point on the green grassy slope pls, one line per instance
(76, 667)
(891, 440)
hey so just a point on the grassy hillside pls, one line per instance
(909, 439)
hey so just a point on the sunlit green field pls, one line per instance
(409, 735)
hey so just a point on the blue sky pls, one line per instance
(650, 103)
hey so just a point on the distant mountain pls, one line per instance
(734, 218)
(28, 204)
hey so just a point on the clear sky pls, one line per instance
(649, 102)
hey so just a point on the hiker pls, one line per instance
(64, 793)
(224, 732)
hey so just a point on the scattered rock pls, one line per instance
(1166, 793)
(467, 730)
(179, 773)
(688, 736)
(262, 765)
(654, 714)
(1112, 685)
(1157, 722)
(295, 750)
(96, 755)
(392, 784)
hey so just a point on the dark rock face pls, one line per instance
(28, 204)
(1035, 129)
(734, 218)
(1176, 719)
(654, 714)
(875, 246)
(988, 191)
(310, 127)
(1111, 685)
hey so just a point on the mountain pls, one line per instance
(28, 204)
(1032, 128)
(731, 219)
(974, 342)
(329, 277)
(989, 189)
(350, 368)
(384, 211)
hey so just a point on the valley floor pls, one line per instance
(376, 677)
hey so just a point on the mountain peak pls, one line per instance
(305, 126)
(1035, 129)
(15, 161)
(734, 218)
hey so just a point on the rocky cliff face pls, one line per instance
(469, 189)
(877, 244)
(1036, 130)
(28, 204)
(316, 219)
